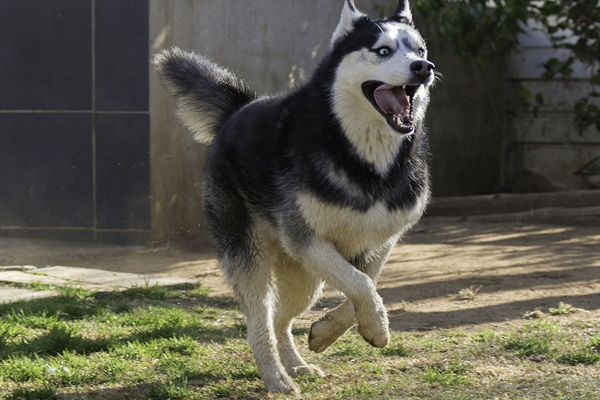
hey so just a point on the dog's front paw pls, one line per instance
(375, 330)
(375, 338)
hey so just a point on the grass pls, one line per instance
(534, 340)
(451, 374)
(180, 344)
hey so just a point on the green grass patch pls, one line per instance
(396, 349)
(451, 374)
(359, 389)
(351, 347)
(595, 343)
(535, 339)
(35, 394)
(179, 343)
(583, 356)
(554, 342)
(486, 336)
(586, 354)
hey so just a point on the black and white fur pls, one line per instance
(314, 186)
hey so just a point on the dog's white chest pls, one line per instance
(354, 231)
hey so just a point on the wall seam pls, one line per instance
(93, 114)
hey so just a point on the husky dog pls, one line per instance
(314, 186)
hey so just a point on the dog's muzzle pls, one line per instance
(395, 103)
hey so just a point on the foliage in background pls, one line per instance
(484, 30)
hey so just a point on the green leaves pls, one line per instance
(485, 30)
(587, 114)
(479, 30)
(557, 68)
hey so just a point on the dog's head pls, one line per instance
(383, 67)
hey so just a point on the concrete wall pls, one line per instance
(274, 44)
(269, 43)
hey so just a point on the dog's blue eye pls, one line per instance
(384, 51)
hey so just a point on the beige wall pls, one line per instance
(274, 43)
(548, 149)
(270, 43)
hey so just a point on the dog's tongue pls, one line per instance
(392, 100)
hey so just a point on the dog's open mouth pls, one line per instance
(395, 103)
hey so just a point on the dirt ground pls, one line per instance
(512, 264)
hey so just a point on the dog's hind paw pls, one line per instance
(309, 370)
(320, 338)
(324, 332)
(285, 385)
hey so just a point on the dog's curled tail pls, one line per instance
(206, 93)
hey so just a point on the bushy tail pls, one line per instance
(206, 93)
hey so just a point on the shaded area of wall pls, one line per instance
(466, 121)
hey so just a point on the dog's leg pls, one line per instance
(322, 259)
(296, 291)
(253, 286)
(335, 323)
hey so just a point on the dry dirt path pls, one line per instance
(516, 263)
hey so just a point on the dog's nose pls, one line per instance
(422, 69)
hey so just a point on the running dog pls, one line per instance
(315, 185)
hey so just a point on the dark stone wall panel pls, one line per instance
(46, 170)
(122, 55)
(46, 55)
(123, 173)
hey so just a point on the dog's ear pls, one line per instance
(349, 14)
(403, 13)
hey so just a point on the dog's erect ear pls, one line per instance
(349, 14)
(403, 13)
